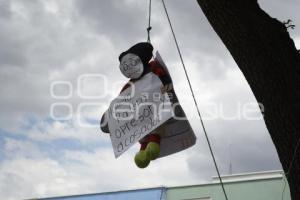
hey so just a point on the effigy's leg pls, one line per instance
(153, 146)
(142, 159)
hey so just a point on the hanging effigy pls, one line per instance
(147, 109)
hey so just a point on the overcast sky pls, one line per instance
(45, 41)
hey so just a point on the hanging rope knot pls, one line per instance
(148, 31)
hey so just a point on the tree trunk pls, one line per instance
(269, 60)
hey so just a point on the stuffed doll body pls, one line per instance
(135, 64)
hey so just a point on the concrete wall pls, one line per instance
(264, 189)
(252, 186)
(142, 194)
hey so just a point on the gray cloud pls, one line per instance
(43, 41)
(123, 20)
(4, 9)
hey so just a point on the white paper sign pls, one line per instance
(136, 112)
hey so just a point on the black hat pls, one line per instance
(142, 50)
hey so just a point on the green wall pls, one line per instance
(267, 189)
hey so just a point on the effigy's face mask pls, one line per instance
(131, 66)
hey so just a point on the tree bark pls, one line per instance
(267, 56)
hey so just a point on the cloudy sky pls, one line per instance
(54, 54)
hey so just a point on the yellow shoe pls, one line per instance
(153, 150)
(142, 159)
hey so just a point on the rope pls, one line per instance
(149, 22)
(284, 186)
(194, 98)
(294, 156)
(290, 167)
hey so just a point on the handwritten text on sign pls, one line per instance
(136, 112)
